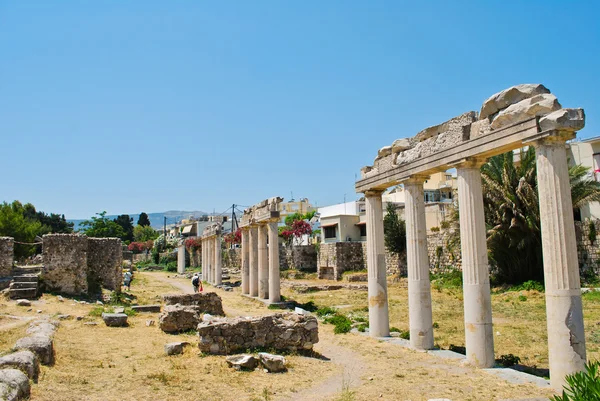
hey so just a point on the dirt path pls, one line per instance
(350, 361)
(8, 322)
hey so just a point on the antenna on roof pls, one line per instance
(292, 193)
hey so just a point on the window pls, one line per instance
(363, 230)
(330, 232)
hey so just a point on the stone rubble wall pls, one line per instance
(7, 256)
(195, 257)
(65, 263)
(232, 258)
(337, 257)
(588, 253)
(104, 261)
(298, 257)
(281, 332)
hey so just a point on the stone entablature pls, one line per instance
(261, 213)
(212, 265)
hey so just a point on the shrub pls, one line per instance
(435, 229)
(445, 224)
(508, 360)
(451, 279)
(171, 266)
(362, 327)
(522, 298)
(582, 386)
(326, 310)
(342, 323)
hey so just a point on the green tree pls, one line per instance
(102, 226)
(14, 223)
(143, 220)
(126, 224)
(394, 230)
(144, 233)
(512, 213)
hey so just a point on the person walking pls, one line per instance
(196, 282)
(127, 280)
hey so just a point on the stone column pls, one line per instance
(245, 262)
(253, 258)
(181, 259)
(274, 284)
(218, 261)
(479, 335)
(202, 258)
(211, 262)
(263, 263)
(566, 337)
(419, 288)
(379, 323)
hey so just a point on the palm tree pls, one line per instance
(512, 215)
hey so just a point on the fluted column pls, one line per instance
(479, 335)
(245, 262)
(181, 259)
(253, 258)
(379, 323)
(274, 282)
(218, 261)
(419, 287)
(263, 263)
(208, 260)
(566, 337)
(203, 257)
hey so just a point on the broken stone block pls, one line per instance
(14, 385)
(43, 327)
(119, 309)
(539, 105)
(512, 95)
(41, 345)
(177, 318)
(146, 308)
(563, 119)
(23, 302)
(149, 323)
(400, 144)
(272, 363)
(242, 362)
(175, 348)
(115, 319)
(208, 302)
(25, 361)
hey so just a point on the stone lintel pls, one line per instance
(470, 162)
(551, 136)
(212, 230)
(485, 146)
(416, 179)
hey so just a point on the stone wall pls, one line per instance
(281, 332)
(7, 255)
(337, 257)
(588, 253)
(443, 256)
(195, 257)
(232, 258)
(65, 263)
(141, 257)
(298, 257)
(104, 261)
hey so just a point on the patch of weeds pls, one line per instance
(447, 280)
(96, 311)
(435, 325)
(346, 394)
(309, 306)
(508, 360)
(522, 298)
(326, 310)
(161, 377)
(458, 349)
(362, 327)
(405, 334)
(342, 323)
(265, 395)
(129, 312)
(393, 328)
(118, 298)
(591, 296)
(530, 285)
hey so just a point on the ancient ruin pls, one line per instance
(184, 311)
(523, 115)
(212, 264)
(260, 250)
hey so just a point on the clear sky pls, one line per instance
(129, 106)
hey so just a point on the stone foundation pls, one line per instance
(7, 255)
(208, 302)
(104, 261)
(65, 263)
(281, 332)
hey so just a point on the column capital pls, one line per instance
(374, 192)
(470, 162)
(551, 137)
(417, 179)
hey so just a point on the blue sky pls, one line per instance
(193, 105)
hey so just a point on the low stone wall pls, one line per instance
(442, 254)
(337, 257)
(298, 257)
(65, 263)
(281, 332)
(127, 255)
(7, 255)
(104, 261)
(209, 302)
(232, 258)
(141, 257)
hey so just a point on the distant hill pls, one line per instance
(156, 219)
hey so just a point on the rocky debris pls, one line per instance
(23, 302)
(304, 288)
(175, 348)
(79, 318)
(356, 277)
(227, 288)
(115, 319)
(119, 309)
(283, 331)
(208, 302)
(14, 385)
(177, 318)
(64, 317)
(563, 119)
(39, 344)
(538, 105)
(146, 308)
(25, 361)
(401, 144)
(272, 363)
(42, 327)
(60, 298)
(91, 323)
(512, 95)
(242, 362)
(150, 323)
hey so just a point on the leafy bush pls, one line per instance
(522, 298)
(171, 266)
(434, 229)
(445, 224)
(582, 386)
(362, 327)
(530, 285)
(342, 323)
(508, 360)
(326, 310)
(451, 279)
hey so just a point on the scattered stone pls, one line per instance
(150, 323)
(115, 319)
(79, 318)
(99, 303)
(25, 361)
(29, 310)
(512, 95)
(175, 348)
(538, 105)
(23, 302)
(272, 363)
(177, 318)
(208, 302)
(39, 311)
(284, 331)
(60, 299)
(242, 362)
(119, 309)
(43, 327)
(91, 323)
(227, 288)
(569, 119)
(64, 317)
(39, 344)
(14, 385)
(146, 308)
